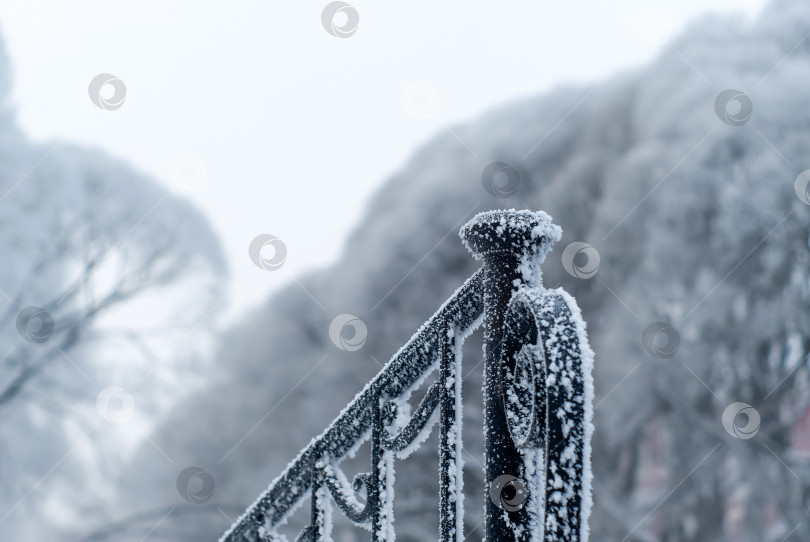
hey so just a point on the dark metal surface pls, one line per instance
(509, 243)
(502, 242)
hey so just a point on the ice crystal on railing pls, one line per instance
(527, 234)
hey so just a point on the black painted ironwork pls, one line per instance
(537, 409)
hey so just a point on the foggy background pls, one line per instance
(139, 339)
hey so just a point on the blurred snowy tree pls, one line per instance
(105, 277)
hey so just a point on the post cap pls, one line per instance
(523, 233)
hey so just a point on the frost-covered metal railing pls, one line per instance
(537, 409)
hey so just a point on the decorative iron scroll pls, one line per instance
(537, 394)
(547, 396)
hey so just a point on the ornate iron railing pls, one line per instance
(537, 409)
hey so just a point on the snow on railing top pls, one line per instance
(537, 395)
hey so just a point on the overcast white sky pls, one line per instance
(292, 128)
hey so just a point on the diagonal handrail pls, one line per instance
(416, 358)
(537, 398)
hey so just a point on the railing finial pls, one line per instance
(518, 237)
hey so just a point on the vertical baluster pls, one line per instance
(320, 526)
(451, 505)
(381, 487)
(321, 510)
(373, 489)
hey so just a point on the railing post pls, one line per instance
(538, 396)
(511, 245)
